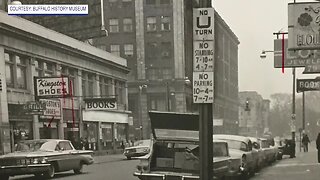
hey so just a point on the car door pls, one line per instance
(70, 160)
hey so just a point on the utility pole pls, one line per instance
(206, 129)
(303, 112)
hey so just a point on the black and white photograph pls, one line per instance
(160, 89)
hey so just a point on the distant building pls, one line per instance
(155, 36)
(254, 114)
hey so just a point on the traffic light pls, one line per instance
(247, 108)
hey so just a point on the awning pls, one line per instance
(105, 116)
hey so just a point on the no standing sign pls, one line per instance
(203, 55)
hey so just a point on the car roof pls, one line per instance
(231, 137)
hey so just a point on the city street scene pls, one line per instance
(160, 89)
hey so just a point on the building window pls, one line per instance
(127, 25)
(9, 69)
(151, 49)
(164, 1)
(71, 73)
(150, 2)
(103, 47)
(48, 69)
(152, 74)
(84, 84)
(91, 79)
(113, 25)
(16, 70)
(158, 103)
(115, 49)
(38, 68)
(166, 49)
(151, 24)
(165, 23)
(128, 49)
(21, 72)
(119, 91)
(167, 74)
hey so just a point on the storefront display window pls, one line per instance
(21, 131)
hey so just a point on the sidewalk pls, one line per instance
(108, 158)
(305, 166)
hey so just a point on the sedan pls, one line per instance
(140, 148)
(43, 158)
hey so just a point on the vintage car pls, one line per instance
(140, 148)
(288, 148)
(175, 151)
(240, 147)
(43, 158)
(258, 154)
(269, 151)
(278, 143)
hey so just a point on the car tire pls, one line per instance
(128, 158)
(5, 177)
(51, 172)
(79, 170)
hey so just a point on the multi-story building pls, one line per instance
(155, 36)
(253, 114)
(29, 50)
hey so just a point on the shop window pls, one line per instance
(127, 25)
(113, 25)
(119, 90)
(115, 49)
(151, 24)
(91, 79)
(128, 49)
(165, 23)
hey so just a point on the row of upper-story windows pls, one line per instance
(114, 25)
(151, 24)
(16, 71)
(115, 49)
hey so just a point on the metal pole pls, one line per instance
(303, 112)
(140, 113)
(293, 116)
(168, 96)
(206, 129)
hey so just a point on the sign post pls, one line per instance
(203, 81)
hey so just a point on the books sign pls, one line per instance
(101, 104)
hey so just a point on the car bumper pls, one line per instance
(23, 169)
(135, 154)
(159, 176)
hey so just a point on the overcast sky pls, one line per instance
(254, 21)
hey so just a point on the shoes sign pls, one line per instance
(203, 55)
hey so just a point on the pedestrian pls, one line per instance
(305, 142)
(318, 147)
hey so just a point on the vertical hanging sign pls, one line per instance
(203, 55)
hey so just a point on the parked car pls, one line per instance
(240, 147)
(279, 144)
(288, 148)
(44, 157)
(175, 151)
(140, 148)
(269, 152)
(258, 154)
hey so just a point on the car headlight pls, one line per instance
(143, 166)
(146, 150)
(36, 161)
(44, 160)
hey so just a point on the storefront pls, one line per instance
(104, 129)
(20, 124)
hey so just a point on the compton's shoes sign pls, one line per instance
(101, 104)
(52, 87)
(53, 108)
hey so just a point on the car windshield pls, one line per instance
(30, 146)
(142, 143)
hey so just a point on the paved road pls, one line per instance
(115, 167)
(106, 168)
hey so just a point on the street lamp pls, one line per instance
(263, 54)
(141, 87)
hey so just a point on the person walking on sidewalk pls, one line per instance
(318, 147)
(305, 142)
